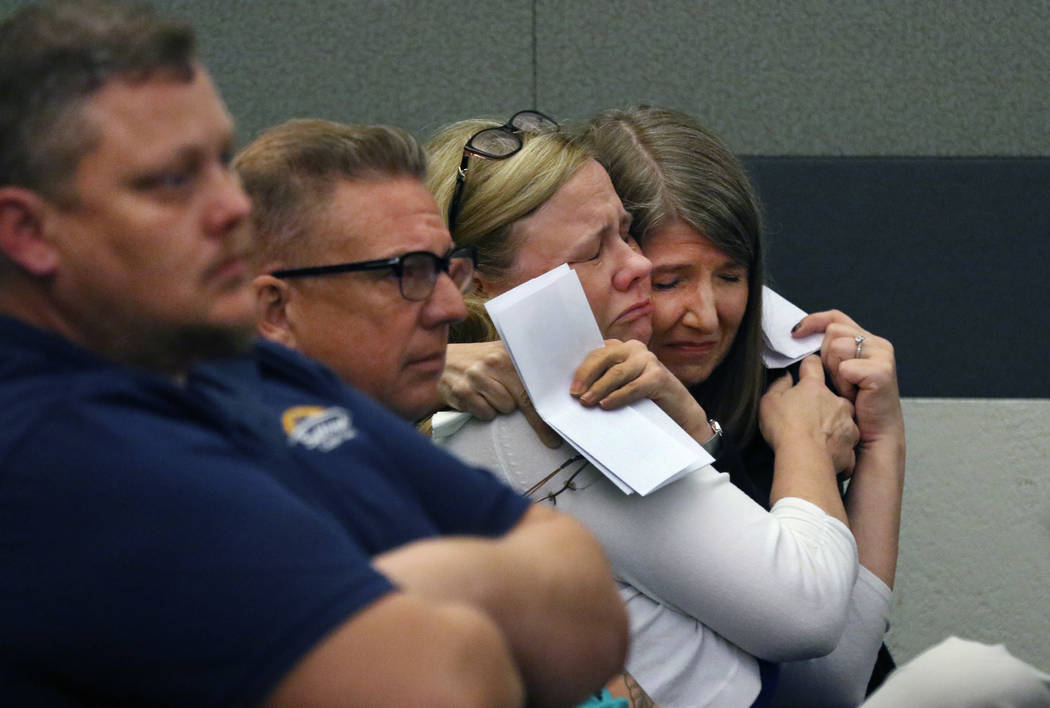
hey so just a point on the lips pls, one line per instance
(690, 348)
(435, 361)
(642, 308)
(233, 267)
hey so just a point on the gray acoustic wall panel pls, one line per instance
(975, 533)
(417, 65)
(813, 77)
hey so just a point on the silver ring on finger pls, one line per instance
(859, 339)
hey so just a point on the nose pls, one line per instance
(445, 304)
(632, 268)
(228, 205)
(701, 312)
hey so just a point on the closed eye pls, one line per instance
(732, 273)
(596, 256)
(666, 284)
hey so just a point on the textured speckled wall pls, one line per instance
(814, 77)
(811, 77)
(397, 61)
(975, 549)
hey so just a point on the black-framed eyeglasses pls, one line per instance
(417, 272)
(496, 143)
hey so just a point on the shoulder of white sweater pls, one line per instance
(508, 446)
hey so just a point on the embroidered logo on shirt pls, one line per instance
(317, 428)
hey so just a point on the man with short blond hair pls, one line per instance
(354, 256)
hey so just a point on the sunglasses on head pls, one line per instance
(496, 143)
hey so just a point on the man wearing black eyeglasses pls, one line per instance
(359, 271)
(189, 518)
(358, 268)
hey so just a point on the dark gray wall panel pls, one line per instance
(948, 258)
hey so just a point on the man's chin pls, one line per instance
(417, 404)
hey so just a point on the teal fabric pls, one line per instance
(604, 700)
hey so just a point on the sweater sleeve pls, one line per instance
(776, 583)
(841, 677)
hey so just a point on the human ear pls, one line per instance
(272, 296)
(486, 287)
(23, 215)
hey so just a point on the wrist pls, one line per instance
(713, 445)
(884, 456)
(803, 445)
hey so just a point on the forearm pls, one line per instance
(873, 504)
(406, 650)
(547, 586)
(568, 619)
(802, 468)
(813, 436)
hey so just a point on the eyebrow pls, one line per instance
(622, 224)
(675, 266)
(686, 264)
(188, 154)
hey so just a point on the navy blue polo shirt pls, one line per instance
(186, 545)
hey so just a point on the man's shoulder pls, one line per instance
(279, 363)
(290, 379)
(51, 387)
(509, 448)
(284, 372)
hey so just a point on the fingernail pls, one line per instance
(587, 399)
(797, 325)
(575, 388)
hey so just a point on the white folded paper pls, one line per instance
(778, 317)
(548, 329)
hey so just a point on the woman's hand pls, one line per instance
(809, 412)
(870, 380)
(480, 379)
(621, 373)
